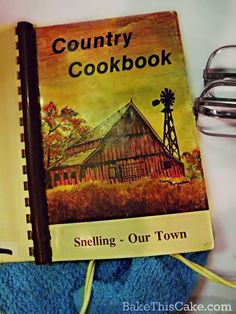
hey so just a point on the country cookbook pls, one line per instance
(112, 165)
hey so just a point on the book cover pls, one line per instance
(103, 160)
(122, 164)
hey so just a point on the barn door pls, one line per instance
(131, 170)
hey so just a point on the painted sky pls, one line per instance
(97, 96)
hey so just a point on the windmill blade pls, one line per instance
(167, 97)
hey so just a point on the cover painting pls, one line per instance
(122, 164)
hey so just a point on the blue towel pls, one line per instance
(118, 285)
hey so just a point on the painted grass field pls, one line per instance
(100, 201)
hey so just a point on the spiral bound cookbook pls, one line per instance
(100, 158)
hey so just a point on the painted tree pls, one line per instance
(60, 129)
(193, 166)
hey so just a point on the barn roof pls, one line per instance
(103, 128)
(77, 159)
(99, 132)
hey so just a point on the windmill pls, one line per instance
(167, 98)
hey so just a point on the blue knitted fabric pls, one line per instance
(58, 288)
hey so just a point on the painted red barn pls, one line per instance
(122, 148)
